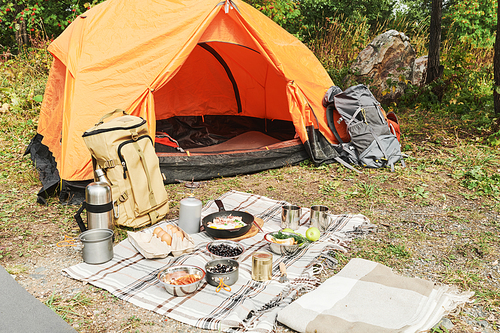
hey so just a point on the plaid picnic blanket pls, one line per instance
(250, 305)
(366, 296)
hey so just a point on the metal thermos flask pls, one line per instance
(190, 215)
(99, 203)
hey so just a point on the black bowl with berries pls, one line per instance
(220, 271)
(225, 249)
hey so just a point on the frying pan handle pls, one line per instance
(220, 205)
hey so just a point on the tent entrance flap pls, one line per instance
(228, 71)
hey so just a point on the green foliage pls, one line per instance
(22, 79)
(319, 12)
(338, 44)
(416, 11)
(308, 18)
(478, 180)
(284, 12)
(494, 139)
(465, 89)
(473, 21)
(37, 18)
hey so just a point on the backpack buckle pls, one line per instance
(109, 164)
(133, 134)
(123, 197)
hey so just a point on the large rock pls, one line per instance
(387, 65)
(420, 71)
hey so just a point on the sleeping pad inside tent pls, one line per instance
(224, 89)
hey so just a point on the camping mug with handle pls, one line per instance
(319, 217)
(97, 245)
(290, 217)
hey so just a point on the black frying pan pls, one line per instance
(227, 233)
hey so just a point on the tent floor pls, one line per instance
(246, 141)
(249, 152)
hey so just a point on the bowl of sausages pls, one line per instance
(181, 280)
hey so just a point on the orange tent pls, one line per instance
(180, 58)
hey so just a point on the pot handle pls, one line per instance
(220, 205)
(68, 241)
(78, 217)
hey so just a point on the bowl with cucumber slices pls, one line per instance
(285, 243)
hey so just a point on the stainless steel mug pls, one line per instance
(319, 217)
(290, 217)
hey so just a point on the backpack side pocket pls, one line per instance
(384, 151)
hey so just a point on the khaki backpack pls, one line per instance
(124, 150)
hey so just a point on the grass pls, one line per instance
(16, 269)
(69, 308)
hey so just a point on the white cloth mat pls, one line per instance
(250, 305)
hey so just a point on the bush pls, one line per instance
(465, 89)
(23, 20)
(472, 21)
(23, 78)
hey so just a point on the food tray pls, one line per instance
(151, 247)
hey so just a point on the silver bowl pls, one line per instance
(229, 243)
(283, 249)
(177, 271)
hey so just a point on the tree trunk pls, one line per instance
(21, 34)
(496, 70)
(20, 26)
(434, 70)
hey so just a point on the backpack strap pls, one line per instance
(78, 217)
(330, 109)
(151, 195)
(347, 165)
(360, 109)
(107, 115)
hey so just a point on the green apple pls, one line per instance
(313, 234)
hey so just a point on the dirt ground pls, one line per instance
(427, 227)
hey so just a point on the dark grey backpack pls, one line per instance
(372, 144)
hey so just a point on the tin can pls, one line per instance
(262, 266)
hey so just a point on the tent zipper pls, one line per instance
(104, 130)
(120, 156)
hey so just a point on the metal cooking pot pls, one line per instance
(228, 278)
(227, 233)
(97, 245)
